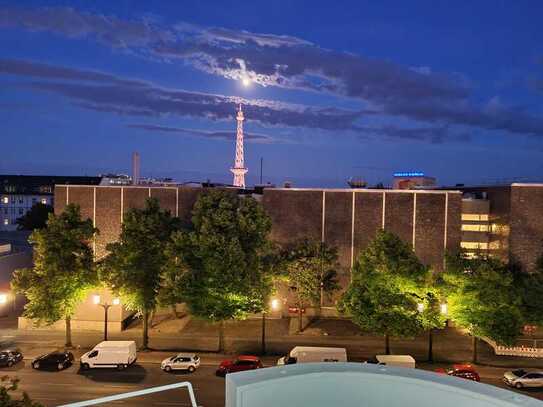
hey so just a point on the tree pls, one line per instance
(35, 218)
(63, 269)
(8, 385)
(482, 298)
(133, 267)
(222, 259)
(530, 289)
(310, 271)
(388, 284)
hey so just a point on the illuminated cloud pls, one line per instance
(414, 93)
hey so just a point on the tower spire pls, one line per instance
(239, 169)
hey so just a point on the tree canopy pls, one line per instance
(388, 284)
(222, 258)
(63, 268)
(482, 297)
(309, 267)
(35, 218)
(9, 385)
(135, 262)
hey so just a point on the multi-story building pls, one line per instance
(19, 192)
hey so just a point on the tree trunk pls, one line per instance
(68, 343)
(300, 321)
(430, 345)
(474, 341)
(387, 344)
(263, 348)
(151, 318)
(221, 337)
(145, 344)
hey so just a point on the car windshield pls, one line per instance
(172, 358)
(196, 358)
(519, 372)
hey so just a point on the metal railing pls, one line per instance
(136, 394)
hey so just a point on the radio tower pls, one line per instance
(239, 169)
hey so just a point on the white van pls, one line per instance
(394, 360)
(119, 354)
(313, 354)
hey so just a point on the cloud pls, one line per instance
(416, 93)
(223, 135)
(103, 92)
(434, 135)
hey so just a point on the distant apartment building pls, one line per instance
(19, 192)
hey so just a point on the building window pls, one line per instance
(20, 200)
(21, 211)
(34, 200)
(475, 228)
(46, 189)
(474, 245)
(5, 211)
(44, 201)
(5, 200)
(475, 217)
(6, 221)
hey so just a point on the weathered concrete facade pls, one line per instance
(344, 218)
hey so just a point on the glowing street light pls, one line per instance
(275, 305)
(3, 298)
(443, 309)
(96, 301)
(420, 307)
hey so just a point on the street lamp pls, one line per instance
(3, 298)
(275, 304)
(443, 311)
(105, 306)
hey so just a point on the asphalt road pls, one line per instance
(70, 385)
(56, 388)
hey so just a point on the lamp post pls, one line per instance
(443, 311)
(105, 306)
(275, 304)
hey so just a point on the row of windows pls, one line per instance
(474, 245)
(5, 200)
(476, 228)
(475, 217)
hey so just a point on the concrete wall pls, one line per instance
(349, 219)
(526, 235)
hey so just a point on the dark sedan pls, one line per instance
(9, 357)
(53, 360)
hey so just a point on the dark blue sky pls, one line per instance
(338, 89)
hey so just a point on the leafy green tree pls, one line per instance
(133, 267)
(223, 258)
(388, 284)
(35, 218)
(530, 289)
(63, 269)
(8, 385)
(310, 271)
(482, 298)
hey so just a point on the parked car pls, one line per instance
(9, 357)
(239, 364)
(308, 354)
(522, 378)
(181, 361)
(118, 354)
(463, 371)
(55, 360)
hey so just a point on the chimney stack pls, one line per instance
(135, 168)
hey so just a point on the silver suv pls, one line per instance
(181, 361)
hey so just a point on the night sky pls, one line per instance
(336, 89)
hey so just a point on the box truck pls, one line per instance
(313, 354)
(394, 360)
(118, 354)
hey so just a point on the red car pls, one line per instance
(464, 371)
(239, 364)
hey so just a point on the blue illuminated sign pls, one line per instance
(409, 174)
